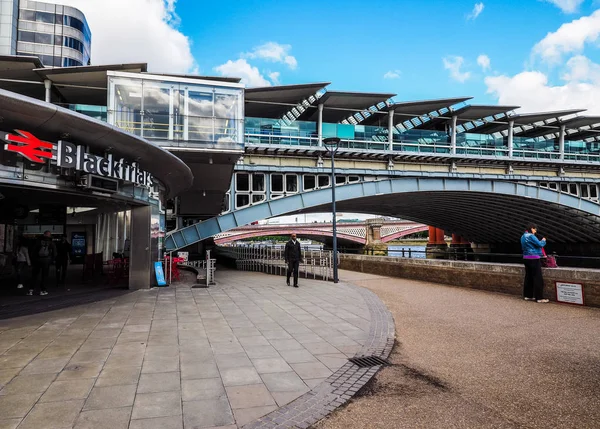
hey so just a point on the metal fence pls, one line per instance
(315, 264)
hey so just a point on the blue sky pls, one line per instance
(539, 54)
(354, 45)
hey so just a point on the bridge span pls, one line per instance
(362, 233)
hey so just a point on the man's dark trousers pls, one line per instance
(42, 265)
(61, 271)
(293, 266)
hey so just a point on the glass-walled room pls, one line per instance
(177, 112)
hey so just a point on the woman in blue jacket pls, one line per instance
(533, 288)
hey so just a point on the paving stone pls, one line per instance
(79, 371)
(161, 364)
(283, 398)
(123, 375)
(270, 365)
(116, 418)
(255, 352)
(9, 423)
(163, 404)
(110, 397)
(45, 366)
(55, 415)
(311, 370)
(195, 390)
(160, 382)
(321, 348)
(284, 382)
(174, 422)
(6, 375)
(207, 413)
(28, 384)
(240, 376)
(233, 361)
(198, 370)
(17, 405)
(297, 356)
(249, 396)
(67, 390)
(90, 356)
(247, 415)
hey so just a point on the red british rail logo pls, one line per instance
(29, 146)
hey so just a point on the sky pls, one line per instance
(541, 55)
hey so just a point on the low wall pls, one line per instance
(504, 278)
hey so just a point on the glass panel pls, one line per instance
(128, 106)
(291, 183)
(242, 200)
(242, 181)
(309, 182)
(340, 180)
(593, 191)
(200, 111)
(157, 99)
(573, 189)
(353, 179)
(226, 108)
(564, 188)
(257, 198)
(323, 181)
(258, 182)
(274, 131)
(277, 182)
(584, 191)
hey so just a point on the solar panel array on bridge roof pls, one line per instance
(339, 105)
(406, 110)
(275, 101)
(524, 119)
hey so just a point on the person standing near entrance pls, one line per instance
(63, 257)
(293, 257)
(533, 286)
(22, 259)
(43, 254)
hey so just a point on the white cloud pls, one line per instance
(477, 9)
(484, 62)
(532, 91)
(274, 52)
(249, 74)
(129, 31)
(454, 65)
(569, 38)
(567, 6)
(274, 76)
(392, 74)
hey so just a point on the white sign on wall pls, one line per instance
(570, 293)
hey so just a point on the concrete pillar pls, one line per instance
(320, 124)
(48, 86)
(391, 129)
(561, 142)
(511, 127)
(453, 135)
(140, 261)
(374, 245)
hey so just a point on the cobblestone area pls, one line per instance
(338, 388)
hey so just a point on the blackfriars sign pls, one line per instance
(69, 155)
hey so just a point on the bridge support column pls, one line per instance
(391, 129)
(510, 143)
(320, 124)
(460, 247)
(374, 245)
(436, 247)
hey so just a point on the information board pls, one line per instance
(569, 293)
(160, 274)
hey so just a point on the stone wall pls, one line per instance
(504, 278)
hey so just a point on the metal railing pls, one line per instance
(315, 264)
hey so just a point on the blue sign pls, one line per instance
(160, 275)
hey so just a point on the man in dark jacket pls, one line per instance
(63, 257)
(42, 256)
(293, 257)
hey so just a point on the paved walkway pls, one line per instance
(478, 360)
(179, 357)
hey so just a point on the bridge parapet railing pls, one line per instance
(315, 264)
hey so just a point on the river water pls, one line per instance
(416, 251)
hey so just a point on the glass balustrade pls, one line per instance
(535, 148)
(277, 132)
(580, 150)
(425, 141)
(481, 144)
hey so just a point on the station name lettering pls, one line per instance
(69, 155)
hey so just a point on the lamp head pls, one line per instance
(331, 141)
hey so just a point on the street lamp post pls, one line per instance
(332, 144)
